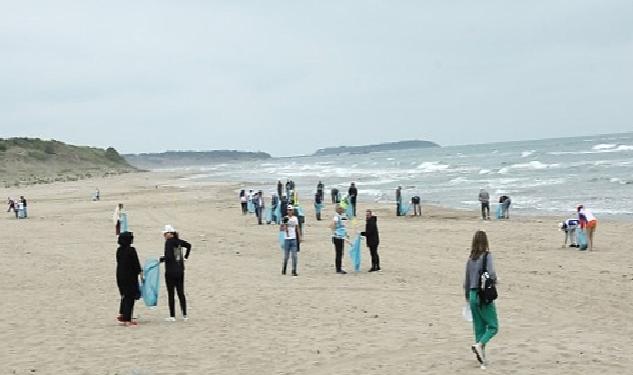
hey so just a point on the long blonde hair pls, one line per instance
(479, 245)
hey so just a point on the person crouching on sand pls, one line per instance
(128, 270)
(174, 260)
(485, 322)
(588, 222)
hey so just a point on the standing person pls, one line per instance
(373, 239)
(335, 197)
(274, 203)
(588, 222)
(97, 196)
(258, 200)
(320, 190)
(288, 188)
(20, 213)
(23, 200)
(116, 218)
(279, 188)
(353, 192)
(318, 204)
(175, 270)
(398, 200)
(485, 322)
(244, 202)
(292, 239)
(417, 209)
(128, 270)
(339, 235)
(484, 199)
(11, 204)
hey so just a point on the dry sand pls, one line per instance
(561, 311)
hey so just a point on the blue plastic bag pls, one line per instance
(123, 221)
(149, 288)
(251, 206)
(582, 240)
(499, 212)
(282, 240)
(278, 214)
(354, 252)
(404, 209)
(268, 215)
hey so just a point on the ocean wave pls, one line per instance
(604, 146)
(432, 166)
(525, 154)
(532, 165)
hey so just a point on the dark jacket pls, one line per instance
(174, 259)
(371, 232)
(127, 267)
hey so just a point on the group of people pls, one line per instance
(503, 209)
(130, 275)
(18, 206)
(402, 208)
(580, 231)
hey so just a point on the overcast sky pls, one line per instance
(288, 77)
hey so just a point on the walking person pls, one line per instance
(258, 200)
(318, 205)
(335, 196)
(128, 270)
(174, 260)
(292, 238)
(353, 193)
(588, 223)
(24, 205)
(484, 199)
(485, 322)
(339, 235)
(373, 239)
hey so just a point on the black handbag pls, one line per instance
(487, 285)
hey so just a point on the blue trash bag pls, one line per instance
(499, 212)
(282, 240)
(318, 207)
(404, 209)
(151, 284)
(354, 253)
(278, 214)
(251, 206)
(268, 215)
(582, 240)
(123, 221)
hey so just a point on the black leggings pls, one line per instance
(176, 281)
(339, 243)
(375, 259)
(126, 308)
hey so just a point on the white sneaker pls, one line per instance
(478, 353)
(170, 319)
(185, 318)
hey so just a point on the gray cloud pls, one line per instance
(289, 77)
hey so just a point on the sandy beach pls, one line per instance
(561, 311)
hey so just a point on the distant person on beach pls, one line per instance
(174, 260)
(280, 188)
(415, 202)
(505, 203)
(244, 202)
(21, 211)
(128, 270)
(97, 195)
(339, 235)
(353, 193)
(318, 205)
(484, 199)
(320, 190)
(11, 204)
(292, 238)
(288, 188)
(398, 200)
(274, 203)
(284, 206)
(570, 226)
(336, 198)
(120, 219)
(258, 201)
(485, 322)
(373, 239)
(588, 223)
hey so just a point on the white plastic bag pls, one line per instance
(466, 313)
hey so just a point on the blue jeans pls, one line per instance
(290, 249)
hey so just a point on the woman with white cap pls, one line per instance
(174, 260)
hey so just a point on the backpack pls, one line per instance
(487, 287)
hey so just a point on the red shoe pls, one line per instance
(119, 318)
(131, 324)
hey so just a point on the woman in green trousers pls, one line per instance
(485, 321)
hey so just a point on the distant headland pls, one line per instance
(390, 146)
(30, 161)
(176, 159)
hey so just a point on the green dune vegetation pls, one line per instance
(28, 161)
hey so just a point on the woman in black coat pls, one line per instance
(127, 272)
(373, 240)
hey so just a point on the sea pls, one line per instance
(549, 176)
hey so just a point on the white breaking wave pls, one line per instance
(525, 154)
(532, 165)
(604, 146)
(432, 166)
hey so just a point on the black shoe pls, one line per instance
(373, 269)
(294, 273)
(341, 272)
